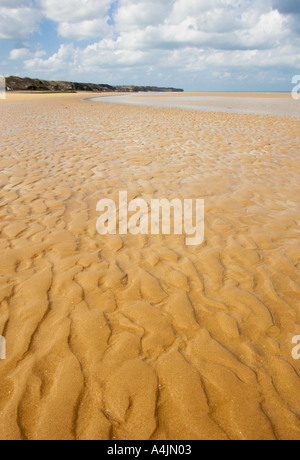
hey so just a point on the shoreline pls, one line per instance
(243, 103)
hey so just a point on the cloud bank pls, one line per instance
(194, 43)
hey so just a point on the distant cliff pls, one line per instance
(30, 84)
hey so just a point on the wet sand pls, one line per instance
(258, 103)
(143, 337)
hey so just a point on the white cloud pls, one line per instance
(78, 19)
(18, 20)
(16, 3)
(25, 53)
(59, 61)
(138, 14)
(85, 29)
(20, 53)
(269, 32)
(147, 38)
(74, 11)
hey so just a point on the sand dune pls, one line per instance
(143, 337)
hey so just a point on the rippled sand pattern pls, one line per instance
(143, 337)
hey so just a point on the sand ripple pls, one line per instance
(144, 337)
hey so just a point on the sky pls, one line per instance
(197, 45)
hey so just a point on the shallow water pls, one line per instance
(262, 105)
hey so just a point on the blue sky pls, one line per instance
(197, 45)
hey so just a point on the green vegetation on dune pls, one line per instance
(30, 84)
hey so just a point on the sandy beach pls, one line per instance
(142, 337)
